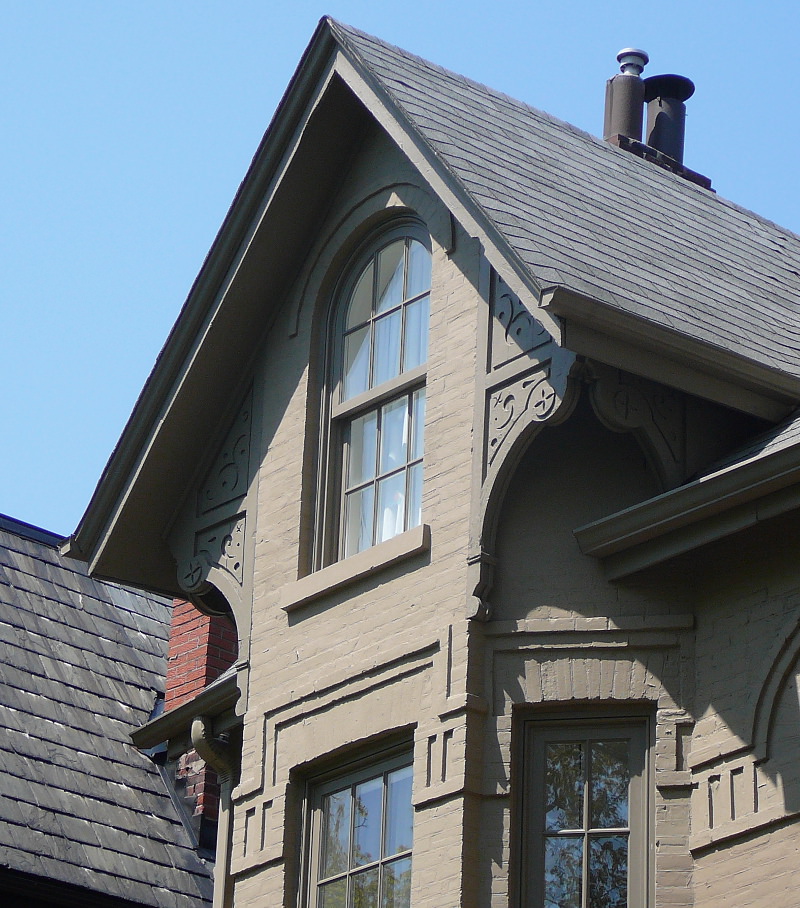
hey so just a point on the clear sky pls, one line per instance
(127, 126)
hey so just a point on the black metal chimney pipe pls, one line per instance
(666, 113)
(625, 96)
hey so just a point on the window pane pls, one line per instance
(397, 884)
(399, 812)
(609, 781)
(394, 435)
(333, 895)
(391, 506)
(335, 833)
(387, 348)
(418, 407)
(365, 889)
(358, 520)
(563, 786)
(359, 308)
(367, 821)
(563, 872)
(363, 448)
(414, 516)
(608, 872)
(415, 349)
(356, 363)
(390, 276)
(419, 269)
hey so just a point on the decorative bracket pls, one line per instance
(654, 413)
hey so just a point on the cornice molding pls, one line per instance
(700, 512)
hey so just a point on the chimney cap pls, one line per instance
(632, 60)
(679, 88)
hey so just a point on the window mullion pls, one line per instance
(586, 822)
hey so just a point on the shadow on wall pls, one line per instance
(721, 623)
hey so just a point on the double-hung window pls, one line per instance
(378, 406)
(585, 814)
(361, 839)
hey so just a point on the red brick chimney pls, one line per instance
(201, 648)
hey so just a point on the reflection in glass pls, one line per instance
(356, 363)
(391, 506)
(333, 895)
(335, 833)
(608, 872)
(610, 777)
(359, 507)
(415, 343)
(414, 516)
(390, 276)
(387, 348)
(360, 306)
(563, 786)
(365, 889)
(418, 406)
(363, 443)
(367, 820)
(563, 871)
(399, 812)
(394, 434)
(419, 270)
(396, 888)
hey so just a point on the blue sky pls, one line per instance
(127, 127)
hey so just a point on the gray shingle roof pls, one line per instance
(598, 221)
(80, 664)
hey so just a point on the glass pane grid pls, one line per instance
(585, 834)
(383, 472)
(376, 869)
(389, 304)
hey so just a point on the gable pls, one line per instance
(619, 261)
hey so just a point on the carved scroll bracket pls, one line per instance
(654, 413)
(221, 547)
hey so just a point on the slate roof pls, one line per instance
(80, 664)
(586, 216)
(782, 437)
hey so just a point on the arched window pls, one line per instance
(380, 354)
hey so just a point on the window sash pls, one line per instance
(363, 854)
(575, 853)
(357, 511)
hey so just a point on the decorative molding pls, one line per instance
(656, 414)
(514, 330)
(227, 479)
(532, 399)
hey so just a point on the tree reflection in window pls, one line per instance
(586, 828)
(365, 843)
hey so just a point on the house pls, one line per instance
(85, 819)
(483, 431)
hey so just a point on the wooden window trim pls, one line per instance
(535, 728)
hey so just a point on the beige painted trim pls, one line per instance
(356, 567)
(692, 515)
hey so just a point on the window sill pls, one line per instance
(356, 567)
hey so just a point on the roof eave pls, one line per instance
(149, 412)
(595, 329)
(698, 513)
